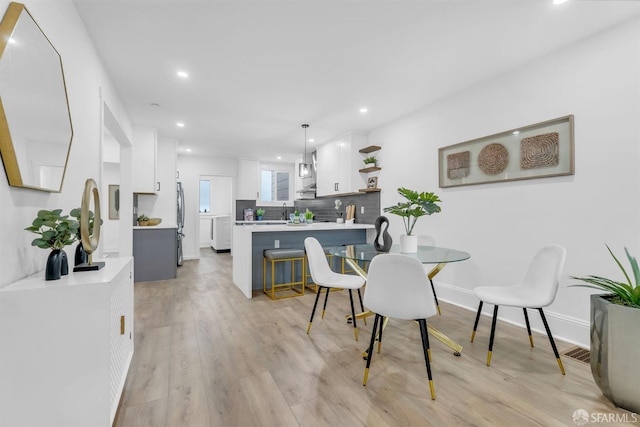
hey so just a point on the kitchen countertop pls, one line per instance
(316, 226)
(151, 227)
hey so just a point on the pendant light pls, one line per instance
(304, 169)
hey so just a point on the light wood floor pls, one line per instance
(207, 356)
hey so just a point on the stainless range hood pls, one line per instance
(309, 190)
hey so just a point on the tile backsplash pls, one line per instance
(322, 207)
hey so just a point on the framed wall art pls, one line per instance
(114, 201)
(540, 150)
(372, 182)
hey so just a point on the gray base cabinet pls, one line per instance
(155, 253)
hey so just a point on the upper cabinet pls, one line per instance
(145, 160)
(248, 180)
(338, 166)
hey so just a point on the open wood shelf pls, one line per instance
(370, 149)
(370, 169)
(370, 190)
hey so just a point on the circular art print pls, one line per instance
(493, 159)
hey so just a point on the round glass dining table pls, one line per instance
(354, 254)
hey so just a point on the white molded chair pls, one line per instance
(537, 290)
(425, 240)
(326, 278)
(398, 288)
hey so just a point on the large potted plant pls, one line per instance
(615, 341)
(415, 206)
(56, 231)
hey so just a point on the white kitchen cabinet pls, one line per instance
(248, 180)
(145, 160)
(221, 233)
(66, 346)
(337, 168)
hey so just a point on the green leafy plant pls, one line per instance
(55, 230)
(417, 205)
(76, 213)
(308, 214)
(371, 160)
(259, 212)
(623, 293)
(143, 217)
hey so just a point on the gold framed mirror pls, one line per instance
(35, 121)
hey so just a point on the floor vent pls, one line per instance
(579, 354)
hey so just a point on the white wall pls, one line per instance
(502, 225)
(84, 76)
(190, 168)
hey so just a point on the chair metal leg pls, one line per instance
(313, 311)
(553, 344)
(353, 314)
(383, 324)
(493, 333)
(376, 321)
(427, 354)
(435, 297)
(326, 297)
(475, 324)
(364, 319)
(526, 320)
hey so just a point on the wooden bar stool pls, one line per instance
(293, 288)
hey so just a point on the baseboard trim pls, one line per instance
(563, 327)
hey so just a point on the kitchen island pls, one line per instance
(251, 239)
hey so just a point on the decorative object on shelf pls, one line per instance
(338, 206)
(304, 169)
(387, 241)
(248, 214)
(81, 255)
(536, 151)
(154, 221)
(416, 205)
(143, 220)
(260, 213)
(370, 161)
(614, 338)
(372, 182)
(114, 201)
(308, 216)
(90, 237)
(56, 231)
(36, 118)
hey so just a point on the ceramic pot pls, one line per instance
(54, 265)
(81, 256)
(615, 346)
(408, 244)
(64, 263)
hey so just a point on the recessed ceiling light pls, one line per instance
(278, 157)
(312, 140)
(180, 124)
(188, 150)
(364, 110)
(559, 1)
(182, 74)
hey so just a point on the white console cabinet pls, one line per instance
(66, 346)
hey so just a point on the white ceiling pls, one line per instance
(259, 69)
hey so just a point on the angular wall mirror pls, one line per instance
(35, 121)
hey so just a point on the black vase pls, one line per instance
(54, 265)
(64, 263)
(385, 246)
(81, 256)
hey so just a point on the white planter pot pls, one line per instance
(408, 244)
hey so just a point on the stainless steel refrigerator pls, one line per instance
(180, 219)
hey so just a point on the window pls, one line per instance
(205, 199)
(276, 184)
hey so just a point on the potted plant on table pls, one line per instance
(260, 213)
(615, 342)
(415, 206)
(308, 216)
(56, 231)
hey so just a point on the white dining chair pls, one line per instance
(328, 279)
(425, 240)
(398, 288)
(537, 290)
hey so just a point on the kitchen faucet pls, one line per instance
(285, 214)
